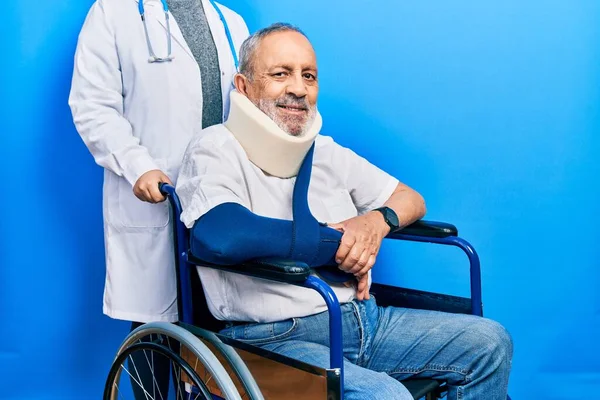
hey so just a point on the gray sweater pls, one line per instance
(192, 22)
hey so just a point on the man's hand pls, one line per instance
(362, 292)
(360, 244)
(146, 187)
(362, 287)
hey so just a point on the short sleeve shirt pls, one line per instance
(216, 170)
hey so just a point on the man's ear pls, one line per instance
(241, 84)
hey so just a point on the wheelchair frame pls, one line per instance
(299, 274)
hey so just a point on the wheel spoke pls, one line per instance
(206, 375)
(118, 391)
(151, 366)
(139, 380)
(208, 380)
(198, 394)
(177, 371)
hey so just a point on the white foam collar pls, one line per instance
(266, 144)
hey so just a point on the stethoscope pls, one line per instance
(154, 59)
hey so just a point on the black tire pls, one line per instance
(137, 341)
(178, 362)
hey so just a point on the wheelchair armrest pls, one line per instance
(426, 229)
(273, 269)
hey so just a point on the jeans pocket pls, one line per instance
(260, 334)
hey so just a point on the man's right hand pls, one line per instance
(146, 187)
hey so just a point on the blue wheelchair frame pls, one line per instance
(420, 231)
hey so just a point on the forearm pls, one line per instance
(231, 234)
(408, 204)
(110, 140)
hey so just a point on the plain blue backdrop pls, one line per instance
(490, 109)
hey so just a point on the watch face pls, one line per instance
(391, 216)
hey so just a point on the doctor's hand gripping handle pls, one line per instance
(146, 188)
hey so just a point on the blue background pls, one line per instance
(490, 109)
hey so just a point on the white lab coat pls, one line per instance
(135, 116)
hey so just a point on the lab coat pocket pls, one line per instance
(339, 206)
(135, 213)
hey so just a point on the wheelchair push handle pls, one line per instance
(169, 191)
(166, 189)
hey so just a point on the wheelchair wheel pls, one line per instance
(133, 374)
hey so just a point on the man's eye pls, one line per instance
(310, 77)
(278, 74)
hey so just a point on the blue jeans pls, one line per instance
(384, 345)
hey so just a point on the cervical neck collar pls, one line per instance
(266, 144)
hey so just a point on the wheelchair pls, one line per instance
(206, 365)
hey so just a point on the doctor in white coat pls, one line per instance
(136, 115)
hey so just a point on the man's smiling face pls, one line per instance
(284, 82)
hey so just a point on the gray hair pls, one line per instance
(248, 48)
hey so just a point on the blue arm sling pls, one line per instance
(231, 234)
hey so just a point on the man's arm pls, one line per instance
(363, 234)
(370, 188)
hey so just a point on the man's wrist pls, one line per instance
(384, 228)
(390, 218)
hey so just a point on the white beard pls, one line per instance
(286, 123)
(267, 145)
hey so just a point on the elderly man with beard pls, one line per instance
(250, 163)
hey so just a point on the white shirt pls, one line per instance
(216, 170)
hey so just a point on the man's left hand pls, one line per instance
(360, 244)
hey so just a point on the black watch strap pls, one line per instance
(390, 217)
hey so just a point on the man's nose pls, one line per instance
(297, 86)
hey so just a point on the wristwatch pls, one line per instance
(390, 218)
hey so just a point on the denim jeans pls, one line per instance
(384, 345)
